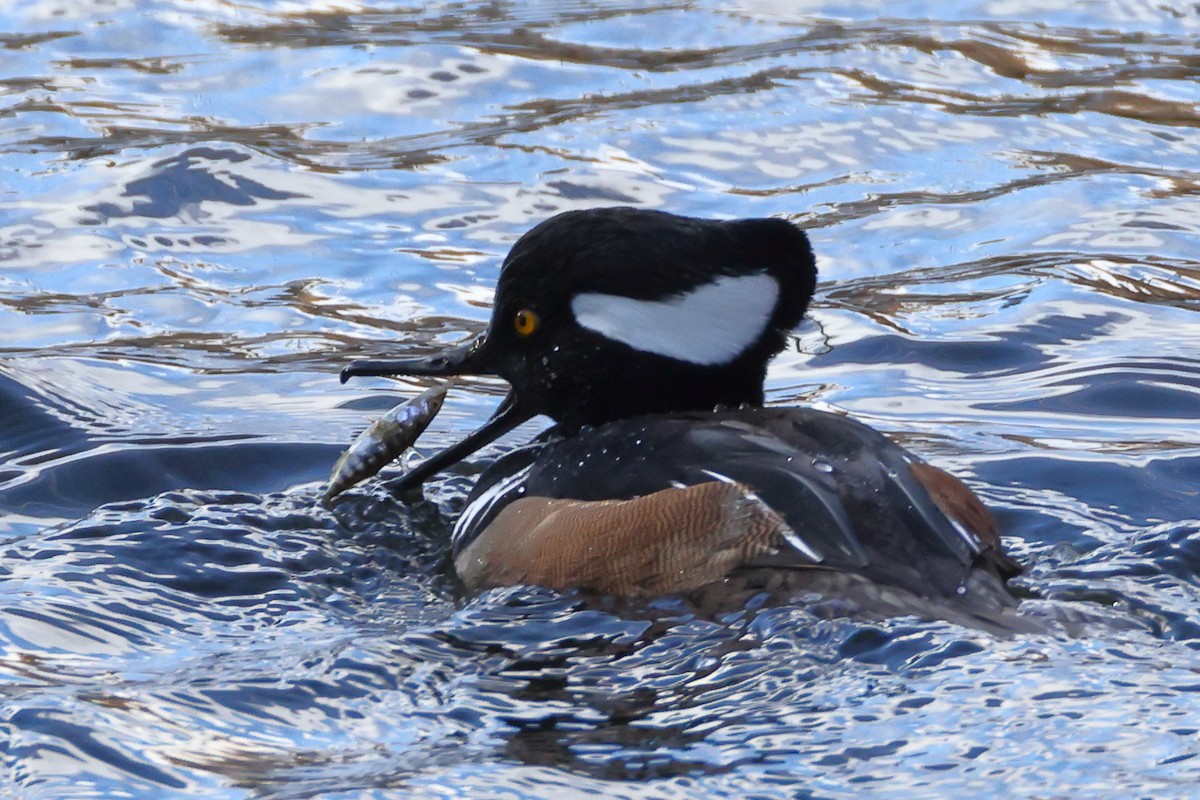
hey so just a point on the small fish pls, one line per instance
(388, 437)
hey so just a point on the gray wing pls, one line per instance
(846, 491)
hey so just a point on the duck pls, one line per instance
(645, 337)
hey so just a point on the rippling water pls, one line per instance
(208, 208)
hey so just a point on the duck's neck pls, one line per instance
(609, 404)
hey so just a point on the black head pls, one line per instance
(609, 313)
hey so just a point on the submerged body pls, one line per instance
(632, 329)
(721, 505)
(383, 441)
(669, 503)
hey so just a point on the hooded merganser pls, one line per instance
(646, 337)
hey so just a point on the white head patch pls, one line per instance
(711, 324)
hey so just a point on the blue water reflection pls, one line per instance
(207, 209)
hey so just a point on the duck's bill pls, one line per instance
(470, 359)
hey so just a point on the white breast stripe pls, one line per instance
(709, 325)
(486, 501)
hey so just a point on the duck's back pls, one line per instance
(667, 503)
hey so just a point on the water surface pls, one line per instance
(208, 208)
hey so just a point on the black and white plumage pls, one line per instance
(646, 337)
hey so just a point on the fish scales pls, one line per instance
(383, 441)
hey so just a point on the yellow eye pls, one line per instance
(525, 322)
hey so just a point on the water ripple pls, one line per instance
(206, 211)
